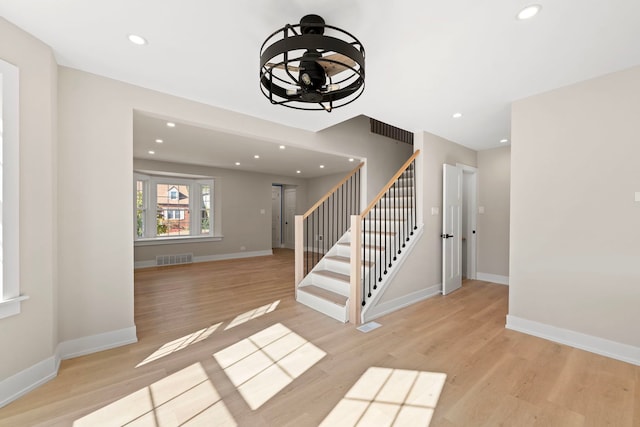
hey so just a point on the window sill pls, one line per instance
(11, 307)
(175, 240)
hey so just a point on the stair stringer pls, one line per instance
(369, 310)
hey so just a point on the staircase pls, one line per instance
(357, 267)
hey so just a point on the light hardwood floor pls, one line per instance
(493, 376)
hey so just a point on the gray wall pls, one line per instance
(575, 227)
(243, 196)
(31, 336)
(494, 168)
(423, 267)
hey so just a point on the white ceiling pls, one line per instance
(425, 60)
(186, 143)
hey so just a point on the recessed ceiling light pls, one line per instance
(321, 166)
(151, 152)
(171, 124)
(529, 12)
(282, 147)
(256, 156)
(298, 171)
(159, 141)
(136, 39)
(351, 160)
(457, 115)
(237, 163)
(504, 141)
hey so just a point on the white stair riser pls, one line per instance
(346, 250)
(393, 212)
(380, 225)
(333, 285)
(343, 250)
(332, 310)
(337, 266)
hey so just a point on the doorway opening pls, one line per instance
(469, 222)
(283, 210)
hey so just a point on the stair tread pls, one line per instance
(375, 248)
(388, 233)
(325, 294)
(344, 259)
(333, 275)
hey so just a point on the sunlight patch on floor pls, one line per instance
(263, 364)
(252, 314)
(185, 398)
(389, 397)
(180, 344)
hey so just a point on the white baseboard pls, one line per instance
(207, 258)
(493, 278)
(402, 302)
(27, 380)
(95, 343)
(31, 378)
(601, 346)
(235, 255)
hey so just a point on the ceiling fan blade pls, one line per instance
(292, 68)
(332, 68)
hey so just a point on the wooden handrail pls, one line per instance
(389, 184)
(335, 187)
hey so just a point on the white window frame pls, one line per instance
(150, 185)
(10, 297)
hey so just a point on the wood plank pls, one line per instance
(494, 376)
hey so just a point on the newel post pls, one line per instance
(355, 294)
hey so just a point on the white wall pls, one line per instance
(31, 336)
(494, 168)
(423, 267)
(575, 227)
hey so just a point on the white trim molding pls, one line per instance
(402, 302)
(493, 278)
(95, 343)
(615, 350)
(11, 307)
(33, 377)
(207, 258)
(27, 380)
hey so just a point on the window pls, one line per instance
(9, 192)
(173, 193)
(170, 208)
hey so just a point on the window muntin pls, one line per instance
(172, 207)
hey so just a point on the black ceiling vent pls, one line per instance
(391, 131)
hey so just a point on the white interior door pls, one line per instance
(451, 228)
(276, 216)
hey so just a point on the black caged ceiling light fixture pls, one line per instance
(301, 67)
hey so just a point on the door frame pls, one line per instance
(472, 219)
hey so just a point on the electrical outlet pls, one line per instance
(319, 237)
